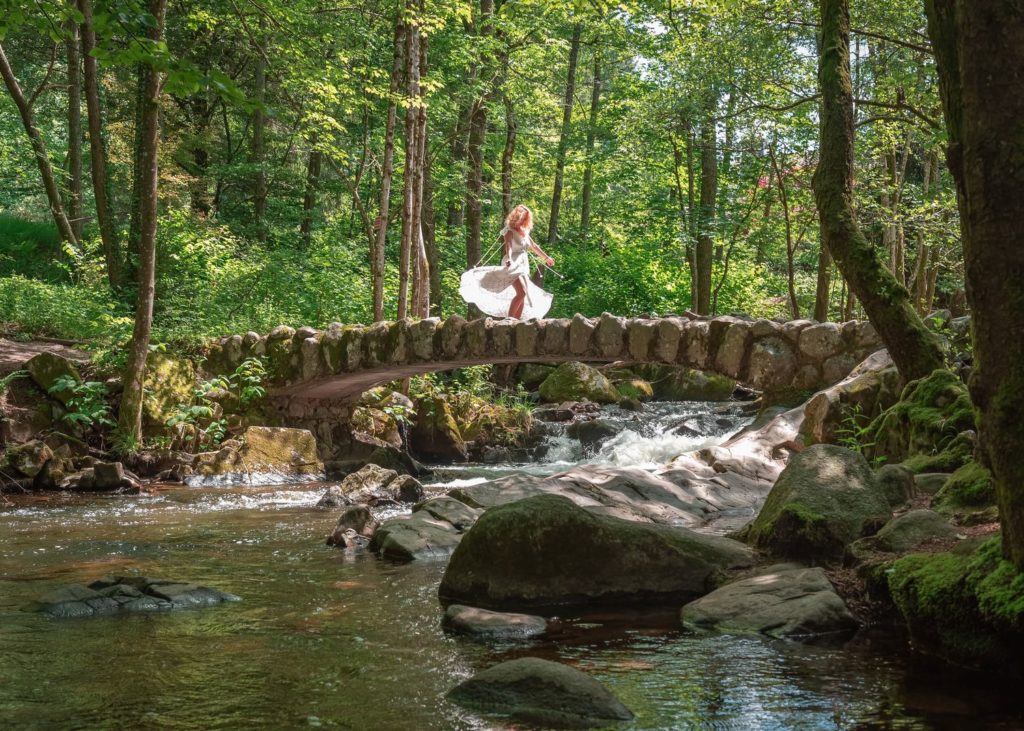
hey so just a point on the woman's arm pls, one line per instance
(540, 252)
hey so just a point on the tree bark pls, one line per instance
(708, 198)
(979, 49)
(430, 236)
(410, 238)
(588, 171)
(914, 349)
(387, 174)
(259, 123)
(98, 150)
(794, 306)
(75, 213)
(130, 416)
(563, 138)
(421, 280)
(477, 137)
(313, 165)
(39, 148)
(821, 292)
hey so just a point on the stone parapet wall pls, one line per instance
(341, 362)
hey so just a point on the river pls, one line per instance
(333, 639)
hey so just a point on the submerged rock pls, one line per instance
(128, 594)
(355, 521)
(492, 625)
(785, 600)
(826, 498)
(545, 551)
(542, 692)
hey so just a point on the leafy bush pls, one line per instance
(31, 249)
(87, 406)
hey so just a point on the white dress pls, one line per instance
(490, 288)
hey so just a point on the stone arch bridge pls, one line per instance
(343, 361)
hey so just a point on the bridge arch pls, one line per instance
(343, 361)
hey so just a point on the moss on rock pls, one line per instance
(969, 494)
(575, 382)
(170, 381)
(671, 383)
(966, 606)
(929, 416)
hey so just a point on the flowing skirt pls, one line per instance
(490, 289)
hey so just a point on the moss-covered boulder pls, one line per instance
(27, 459)
(542, 693)
(826, 498)
(902, 534)
(436, 434)
(966, 605)
(546, 551)
(531, 375)
(950, 458)
(969, 494)
(671, 383)
(635, 388)
(170, 381)
(48, 368)
(929, 416)
(575, 382)
(897, 484)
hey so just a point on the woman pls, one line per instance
(507, 290)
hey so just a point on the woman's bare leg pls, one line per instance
(516, 308)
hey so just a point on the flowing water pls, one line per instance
(335, 639)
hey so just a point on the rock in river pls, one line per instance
(541, 692)
(786, 600)
(128, 594)
(545, 551)
(492, 625)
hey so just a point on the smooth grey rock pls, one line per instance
(786, 600)
(896, 483)
(492, 625)
(127, 594)
(541, 692)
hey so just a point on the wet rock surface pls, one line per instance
(128, 594)
(541, 692)
(485, 624)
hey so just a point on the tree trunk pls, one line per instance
(410, 239)
(979, 49)
(913, 347)
(477, 137)
(75, 213)
(794, 306)
(821, 293)
(563, 139)
(131, 259)
(387, 173)
(456, 216)
(313, 166)
(430, 236)
(588, 171)
(130, 416)
(421, 280)
(98, 150)
(259, 124)
(708, 198)
(39, 148)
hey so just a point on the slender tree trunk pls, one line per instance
(821, 293)
(410, 239)
(563, 139)
(923, 254)
(588, 171)
(201, 112)
(456, 216)
(259, 124)
(430, 236)
(39, 148)
(913, 347)
(708, 199)
(421, 281)
(313, 166)
(507, 155)
(477, 138)
(979, 50)
(130, 416)
(75, 213)
(131, 260)
(794, 306)
(98, 150)
(387, 174)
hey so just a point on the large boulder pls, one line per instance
(575, 382)
(545, 551)
(27, 459)
(671, 383)
(265, 455)
(902, 534)
(48, 368)
(170, 382)
(485, 624)
(592, 432)
(436, 435)
(541, 692)
(826, 498)
(785, 600)
(969, 495)
(432, 531)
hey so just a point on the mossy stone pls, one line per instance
(671, 383)
(575, 382)
(969, 494)
(170, 381)
(47, 368)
